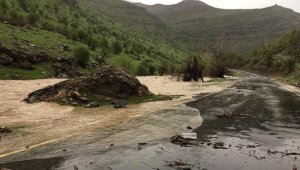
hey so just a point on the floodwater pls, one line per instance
(42, 131)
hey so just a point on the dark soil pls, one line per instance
(106, 83)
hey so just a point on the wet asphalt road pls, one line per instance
(269, 121)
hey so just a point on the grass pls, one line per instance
(41, 71)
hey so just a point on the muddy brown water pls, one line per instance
(273, 125)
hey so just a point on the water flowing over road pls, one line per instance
(263, 134)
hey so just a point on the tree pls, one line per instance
(3, 6)
(104, 44)
(101, 59)
(117, 47)
(82, 56)
(218, 64)
(193, 70)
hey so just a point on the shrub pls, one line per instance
(193, 70)
(142, 70)
(125, 62)
(82, 56)
(92, 43)
(17, 17)
(33, 18)
(117, 47)
(82, 35)
(24, 4)
(290, 65)
(218, 68)
(163, 69)
(104, 44)
(3, 6)
(152, 69)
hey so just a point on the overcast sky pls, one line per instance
(235, 4)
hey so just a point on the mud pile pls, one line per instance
(105, 84)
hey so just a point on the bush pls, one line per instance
(104, 44)
(152, 69)
(82, 56)
(125, 62)
(3, 6)
(117, 47)
(92, 43)
(17, 17)
(33, 18)
(142, 70)
(163, 69)
(82, 35)
(290, 65)
(218, 67)
(193, 70)
(24, 4)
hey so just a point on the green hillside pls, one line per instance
(203, 27)
(128, 36)
(282, 57)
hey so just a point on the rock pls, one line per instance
(119, 104)
(76, 95)
(219, 145)
(92, 105)
(98, 85)
(5, 130)
(32, 45)
(65, 47)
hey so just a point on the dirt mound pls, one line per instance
(105, 84)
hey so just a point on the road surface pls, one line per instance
(264, 133)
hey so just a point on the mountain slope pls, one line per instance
(282, 56)
(130, 36)
(203, 27)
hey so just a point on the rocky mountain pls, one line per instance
(202, 27)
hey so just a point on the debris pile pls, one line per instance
(185, 142)
(5, 130)
(105, 84)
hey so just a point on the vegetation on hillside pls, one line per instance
(58, 29)
(282, 56)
